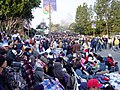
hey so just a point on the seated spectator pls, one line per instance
(110, 61)
(93, 84)
(81, 72)
(65, 79)
(112, 65)
(102, 65)
(91, 57)
(58, 72)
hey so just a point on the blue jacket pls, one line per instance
(79, 73)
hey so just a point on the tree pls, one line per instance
(108, 15)
(102, 10)
(115, 16)
(83, 19)
(72, 26)
(13, 13)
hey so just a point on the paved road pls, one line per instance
(115, 54)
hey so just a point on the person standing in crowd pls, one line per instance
(86, 46)
(109, 43)
(70, 49)
(3, 65)
(94, 44)
(46, 44)
(27, 71)
(105, 41)
(116, 43)
(99, 44)
(65, 46)
(40, 49)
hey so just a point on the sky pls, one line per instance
(66, 10)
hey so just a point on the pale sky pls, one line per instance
(66, 10)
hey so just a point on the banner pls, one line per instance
(46, 6)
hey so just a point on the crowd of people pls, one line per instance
(58, 62)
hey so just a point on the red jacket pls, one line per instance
(110, 61)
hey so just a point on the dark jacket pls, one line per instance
(1, 82)
(38, 75)
(58, 71)
(10, 55)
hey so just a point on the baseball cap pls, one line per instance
(94, 83)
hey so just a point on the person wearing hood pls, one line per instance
(59, 73)
(38, 75)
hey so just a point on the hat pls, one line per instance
(94, 83)
(109, 55)
(2, 60)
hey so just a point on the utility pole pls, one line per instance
(50, 17)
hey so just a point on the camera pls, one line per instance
(16, 65)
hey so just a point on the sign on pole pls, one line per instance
(46, 6)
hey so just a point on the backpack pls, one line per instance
(10, 80)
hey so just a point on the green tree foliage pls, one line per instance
(83, 19)
(13, 12)
(106, 17)
(115, 16)
(102, 9)
(108, 13)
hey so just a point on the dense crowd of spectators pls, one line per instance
(52, 57)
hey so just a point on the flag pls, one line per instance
(46, 6)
